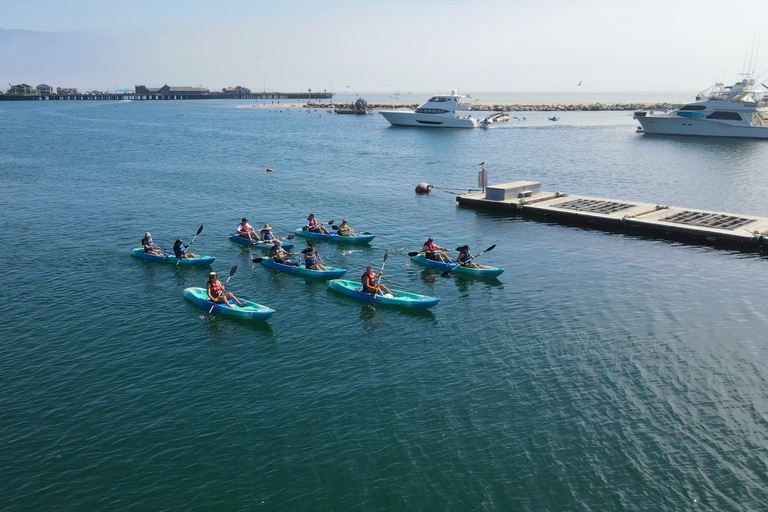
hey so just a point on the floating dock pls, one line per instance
(685, 224)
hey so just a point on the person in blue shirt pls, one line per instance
(465, 258)
(180, 250)
(312, 260)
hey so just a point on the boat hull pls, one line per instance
(261, 245)
(654, 125)
(402, 299)
(412, 118)
(331, 273)
(455, 268)
(333, 237)
(187, 262)
(251, 310)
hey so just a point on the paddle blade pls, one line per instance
(335, 227)
(232, 272)
(257, 260)
(366, 233)
(386, 253)
(309, 243)
(199, 230)
(412, 254)
(490, 248)
(290, 237)
(330, 222)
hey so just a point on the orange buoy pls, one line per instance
(423, 188)
(269, 170)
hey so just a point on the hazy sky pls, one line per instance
(548, 45)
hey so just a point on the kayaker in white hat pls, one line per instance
(217, 294)
(149, 245)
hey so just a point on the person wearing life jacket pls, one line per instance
(465, 258)
(266, 234)
(314, 227)
(245, 230)
(369, 283)
(312, 260)
(180, 250)
(279, 255)
(430, 251)
(149, 245)
(345, 230)
(217, 294)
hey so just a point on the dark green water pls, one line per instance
(599, 372)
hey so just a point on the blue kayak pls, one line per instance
(402, 299)
(455, 268)
(251, 310)
(170, 258)
(335, 237)
(261, 245)
(331, 273)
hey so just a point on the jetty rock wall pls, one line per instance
(522, 107)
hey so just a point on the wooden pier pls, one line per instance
(684, 224)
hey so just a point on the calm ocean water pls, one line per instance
(600, 372)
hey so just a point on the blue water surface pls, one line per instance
(601, 371)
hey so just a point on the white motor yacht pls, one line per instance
(439, 112)
(739, 110)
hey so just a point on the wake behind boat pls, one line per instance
(438, 112)
(739, 110)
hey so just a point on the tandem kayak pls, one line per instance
(458, 269)
(170, 258)
(331, 273)
(335, 237)
(261, 245)
(402, 299)
(251, 310)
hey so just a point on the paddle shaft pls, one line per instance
(199, 230)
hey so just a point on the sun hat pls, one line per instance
(212, 274)
(148, 234)
(267, 226)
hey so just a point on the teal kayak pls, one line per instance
(455, 268)
(331, 273)
(251, 310)
(170, 258)
(261, 245)
(335, 237)
(402, 299)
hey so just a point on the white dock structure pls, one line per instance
(685, 224)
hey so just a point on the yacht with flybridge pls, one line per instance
(739, 110)
(442, 111)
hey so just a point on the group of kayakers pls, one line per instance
(179, 249)
(370, 279)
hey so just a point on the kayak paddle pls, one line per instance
(231, 273)
(445, 274)
(257, 260)
(386, 253)
(199, 230)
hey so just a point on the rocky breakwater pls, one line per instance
(528, 107)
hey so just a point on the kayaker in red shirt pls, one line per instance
(245, 230)
(217, 294)
(314, 227)
(369, 283)
(430, 251)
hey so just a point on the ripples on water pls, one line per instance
(599, 372)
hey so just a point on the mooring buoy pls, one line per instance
(423, 188)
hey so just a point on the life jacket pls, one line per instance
(369, 280)
(147, 241)
(179, 250)
(266, 234)
(431, 247)
(312, 223)
(244, 227)
(310, 261)
(464, 257)
(216, 289)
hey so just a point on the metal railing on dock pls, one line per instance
(685, 224)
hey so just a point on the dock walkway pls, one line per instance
(685, 224)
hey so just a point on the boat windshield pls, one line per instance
(438, 99)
